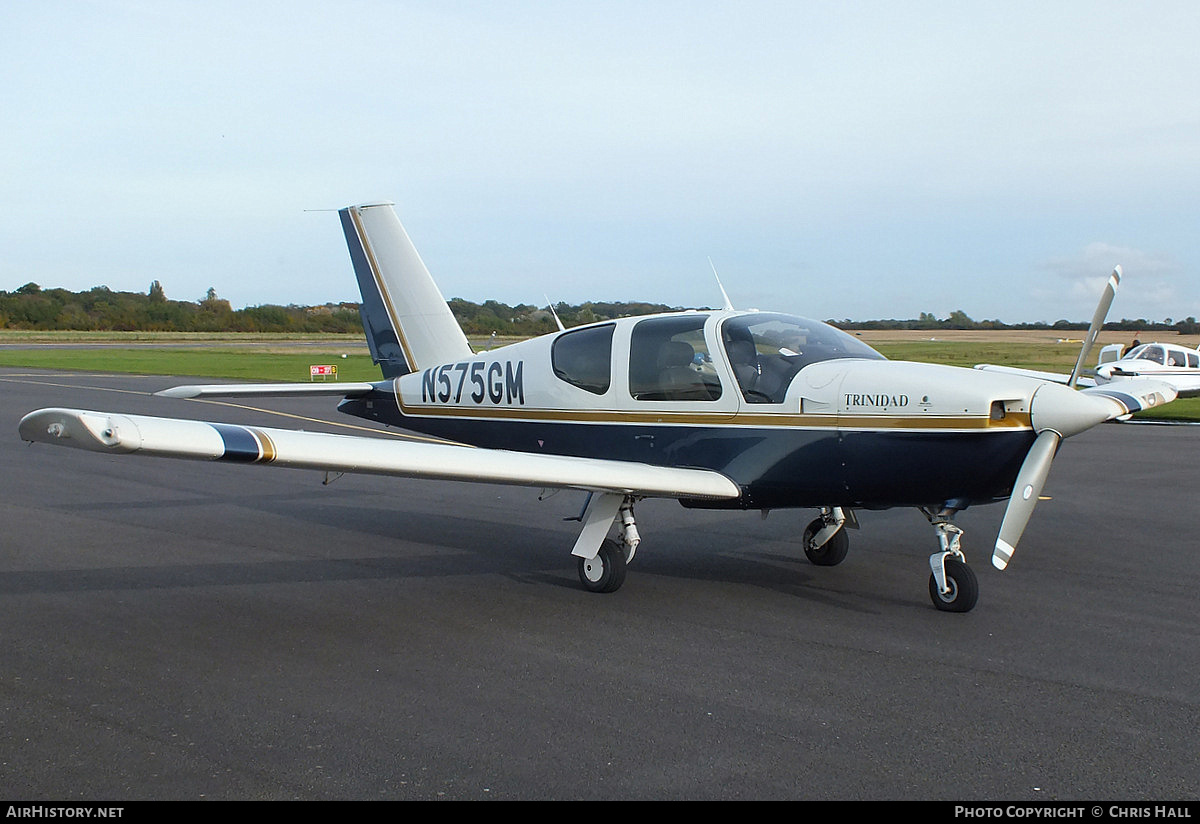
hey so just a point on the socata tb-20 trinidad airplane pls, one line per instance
(717, 409)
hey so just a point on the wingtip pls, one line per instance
(178, 392)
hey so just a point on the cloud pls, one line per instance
(1148, 285)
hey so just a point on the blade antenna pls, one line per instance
(728, 303)
(550, 305)
(1106, 299)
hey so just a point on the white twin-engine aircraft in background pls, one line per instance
(717, 409)
(1176, 366)
(1168, 362)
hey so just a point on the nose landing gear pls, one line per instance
(952, 584)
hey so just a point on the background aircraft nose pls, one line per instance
(1066, 411)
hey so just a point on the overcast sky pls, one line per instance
(838, 160)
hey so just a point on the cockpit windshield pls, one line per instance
(767, 350)
(1147, 351)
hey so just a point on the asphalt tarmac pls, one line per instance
(185, 630)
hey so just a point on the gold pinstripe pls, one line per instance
(266, 447)
(1011, 421)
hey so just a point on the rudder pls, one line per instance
(409, 325)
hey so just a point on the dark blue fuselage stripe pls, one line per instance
(240, 444)
(775, 467)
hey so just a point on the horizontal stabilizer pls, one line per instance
(198, 440)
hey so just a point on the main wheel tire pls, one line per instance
(834, 550)
(964, 588)
(605, 572)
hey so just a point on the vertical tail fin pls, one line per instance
(408, 323)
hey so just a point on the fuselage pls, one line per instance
(797, 413)
(1153, 359)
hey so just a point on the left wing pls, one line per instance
(1133, 395)
(199, 440)
(1181, 384)
(1053, 377)
(266, 390)
(1187, 386)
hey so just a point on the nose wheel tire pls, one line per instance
(605, 572)
(963, 586)
(832, 552)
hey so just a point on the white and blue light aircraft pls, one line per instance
(716, 409)
(1170, 363)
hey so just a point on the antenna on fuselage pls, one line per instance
(728, 303)
(550, 306)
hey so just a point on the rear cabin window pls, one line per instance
(669, 361)
(583, 358)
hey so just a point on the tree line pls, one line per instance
(101, 309)
(960, 320)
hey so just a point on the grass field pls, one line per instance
(261, 361)
(1040, 350)
(262, 358)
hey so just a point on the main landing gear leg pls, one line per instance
(825, 540)
(952, 584)
(602, 560)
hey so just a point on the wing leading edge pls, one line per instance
(266, 390)
(199, 440)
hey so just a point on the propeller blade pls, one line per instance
(1028, 487)
(1106, 299)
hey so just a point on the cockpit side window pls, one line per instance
(1193, 360)
(669, 361)
(766, 351)
(583, 357)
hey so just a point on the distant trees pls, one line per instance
(959, 319)
(100, 308)
(524, 319)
